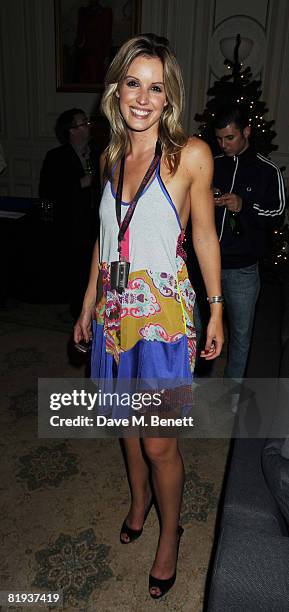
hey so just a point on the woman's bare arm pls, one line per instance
(199, 163)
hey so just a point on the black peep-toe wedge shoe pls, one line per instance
(166, 584)
(133, 534)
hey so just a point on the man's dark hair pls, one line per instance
(65, 122)
(231, 114)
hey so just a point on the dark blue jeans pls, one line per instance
(240, 289)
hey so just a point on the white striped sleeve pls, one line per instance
(280, 204)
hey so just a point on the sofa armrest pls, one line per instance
(248, 502)
(250, 573)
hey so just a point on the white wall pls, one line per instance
(29, 103)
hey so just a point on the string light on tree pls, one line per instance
(279, 254)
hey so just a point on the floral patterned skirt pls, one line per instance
(147, 332)
(155, 307)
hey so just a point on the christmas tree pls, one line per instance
(238, 88)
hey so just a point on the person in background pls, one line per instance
(249, 202)
(69, 179)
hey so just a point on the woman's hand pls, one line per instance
(82, 328)
(215, 337)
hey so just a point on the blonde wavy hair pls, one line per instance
(171, 134)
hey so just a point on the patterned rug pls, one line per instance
(63, 501)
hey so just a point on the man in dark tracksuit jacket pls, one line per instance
(250, 199)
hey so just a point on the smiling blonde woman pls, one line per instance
(154, 179)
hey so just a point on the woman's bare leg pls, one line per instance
(138, 474)
(168, 480)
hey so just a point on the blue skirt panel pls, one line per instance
(147, 360)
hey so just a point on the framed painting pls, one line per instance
(88, 34)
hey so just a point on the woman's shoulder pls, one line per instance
(197, 147)
(196, 151)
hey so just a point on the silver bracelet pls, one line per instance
(215, 299)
